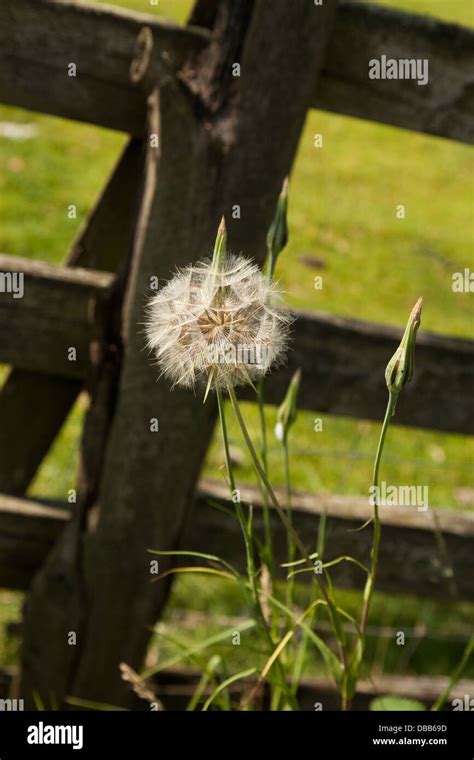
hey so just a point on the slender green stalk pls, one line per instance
(398, 374)
(261, 473)
(290, 547)
(248, 546)
(290, 541)
(370, 583)
(299, 545)
(277, 238)
(234, 492)
(301, 653)
(456, 675)
(268, 547)
(228, 682)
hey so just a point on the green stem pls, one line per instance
(248, 547)
(233, 489)
(370, 584)
(290, 541)
(298, 543)
(469, 649)
(263, 476)
(301, 654)
(264, 452)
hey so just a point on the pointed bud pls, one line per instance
(277, 237)
(286, 415)
(220, 246)
(401, 366)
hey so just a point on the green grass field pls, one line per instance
(374, 266)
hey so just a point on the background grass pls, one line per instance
(343, 227)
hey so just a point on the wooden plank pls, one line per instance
(61, 308)
(343, 364)
(443, 107)
(40, 38)
(28, 530)
(100, 39)
(342, 360)
(103, 243)
(411, 561)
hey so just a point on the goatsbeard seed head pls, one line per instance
(217, 326)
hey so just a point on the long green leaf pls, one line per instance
(201, 555)
(206, 677)
(91, 705)
(225, 684)
(194, 569)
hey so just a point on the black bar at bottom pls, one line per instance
(156, 734)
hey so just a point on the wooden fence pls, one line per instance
(85, 565)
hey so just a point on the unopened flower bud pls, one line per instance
(401, 366)
(286, 415)
(277, 237)
(220, 247)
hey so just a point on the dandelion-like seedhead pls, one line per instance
(217, 324)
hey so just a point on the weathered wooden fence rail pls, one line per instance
(412, 560)
(444, 107)
(61, 309)
(100, 41)
(340, 358)
(159, 210)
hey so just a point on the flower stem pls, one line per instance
(263, 476)
(336, 622)
(248, 547)
(234, 493)
(290, 541)
(369, 586)
(264, 452)
(469, 649)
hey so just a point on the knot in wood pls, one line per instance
(141, 55)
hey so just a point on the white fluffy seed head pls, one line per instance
(217, 327)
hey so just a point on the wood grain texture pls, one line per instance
(28, 531)
(103, 243)
(411, 560)
(443, 107)
(100, 40)
(61, 308)
(343, 372)
(39, 38)
(342, 361)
